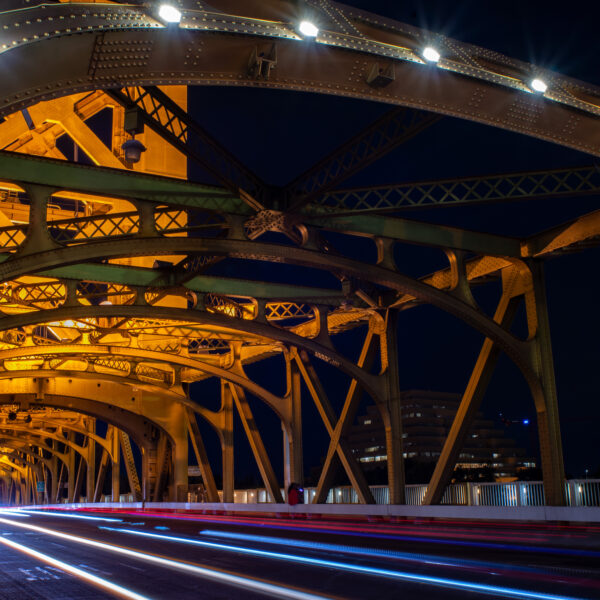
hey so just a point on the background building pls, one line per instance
(427, 417)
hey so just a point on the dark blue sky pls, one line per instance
(279, 134)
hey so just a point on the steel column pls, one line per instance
(226, 435)
(547, 405)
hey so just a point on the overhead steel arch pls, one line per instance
(47, 422)
(138, 427)
(6, 438)
(46, 434)
(67, 48)
(514, 348)
(171, 394)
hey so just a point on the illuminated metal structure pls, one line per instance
(109, 310)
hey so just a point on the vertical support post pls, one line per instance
(115, 465)
(53, 475)
(149, 467)
(178, 431)
(71, 468)
(226, 435)
(546, 403)
(38, 238)
(28, 481)
(392, 412)
(91, 461)
(294, 445)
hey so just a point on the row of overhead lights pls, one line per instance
(429, 53)
(433, 56)
(170, 14)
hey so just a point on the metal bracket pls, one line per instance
(261, 62)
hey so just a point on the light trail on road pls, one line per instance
(75, 571)
(382, 531)
(401, 575)
(67, 515)
(246, 583)
(420, 558)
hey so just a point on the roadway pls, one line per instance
(92, 555)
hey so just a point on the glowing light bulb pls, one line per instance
(308, 29)
(539, 85)
(431, 54)
(169, 13)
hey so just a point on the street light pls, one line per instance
(133, 150)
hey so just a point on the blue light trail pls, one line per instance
(401, 575)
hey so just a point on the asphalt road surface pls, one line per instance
(92, 555)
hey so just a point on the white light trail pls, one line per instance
(11, 513)
(246, 583)
(77, 572)
(68, 516)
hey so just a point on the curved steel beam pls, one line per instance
(48, 422)
(274, 401)
(41, 433)
(135, 425)
(18, 266)
(514, 348)
(257, 45)
(5, 438)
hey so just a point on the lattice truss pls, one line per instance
(107, 276)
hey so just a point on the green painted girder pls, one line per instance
(550, 183)
(418, 232)
(103, 181)
(138, 276)
(21, 169)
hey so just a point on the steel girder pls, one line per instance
(491, 88)
(529, 185)
(176, 127)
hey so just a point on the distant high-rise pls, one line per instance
(426, 419)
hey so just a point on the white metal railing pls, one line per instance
(579, 492)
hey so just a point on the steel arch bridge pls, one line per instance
(109, 308)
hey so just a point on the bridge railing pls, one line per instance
(579, 492)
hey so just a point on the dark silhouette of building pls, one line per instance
(426, 419)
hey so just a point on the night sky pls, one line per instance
(280, 134)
